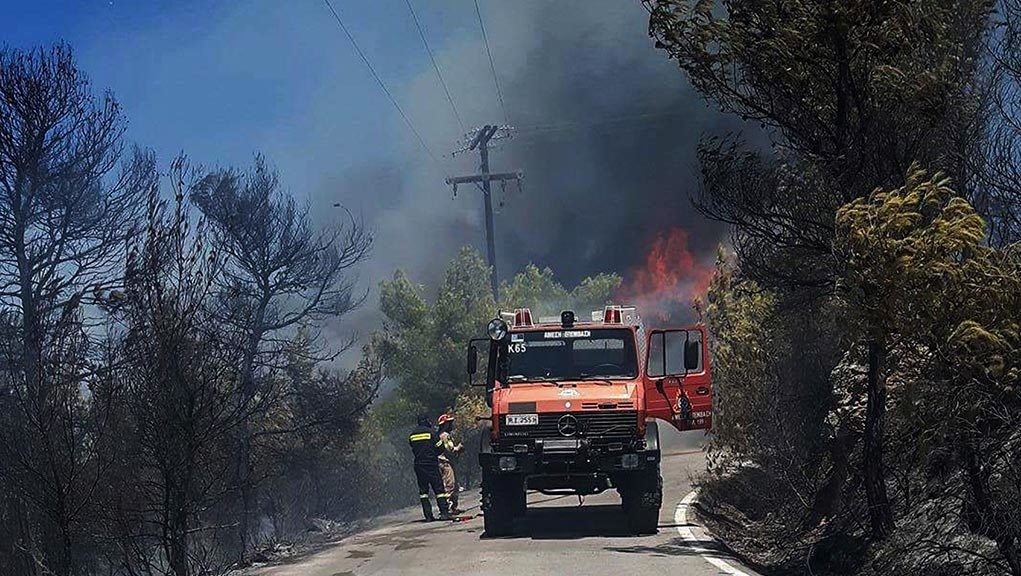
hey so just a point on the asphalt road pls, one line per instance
(557, 537)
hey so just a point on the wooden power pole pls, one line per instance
(480, 139)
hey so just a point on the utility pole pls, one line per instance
(480, 139)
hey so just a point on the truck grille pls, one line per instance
(601, 406)
(592, 425)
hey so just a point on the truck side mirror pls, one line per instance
(472, 364)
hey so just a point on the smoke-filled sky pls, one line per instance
(222, 80)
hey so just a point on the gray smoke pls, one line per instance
(597, 189)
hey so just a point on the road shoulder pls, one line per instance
(703, 543)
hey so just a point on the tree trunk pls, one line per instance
(317, 499)
(67, 558)
(249, 496)
(880, 512)
(179, 548)
(33, 410)
(1008, 547)
(981, 513)
(827, 500)
(31, 330)
(176, 530)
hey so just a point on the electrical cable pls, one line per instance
(492, 66)
(435, 66)
(386, 91)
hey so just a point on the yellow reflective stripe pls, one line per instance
(439, 443)
(423, 496)
(444, 495)
(420, 437)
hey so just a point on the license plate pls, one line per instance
(522, 419)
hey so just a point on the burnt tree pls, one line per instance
(279, 272)
(69, 195)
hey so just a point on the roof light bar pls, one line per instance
(614, 314)
(611, 315)
(522, 317)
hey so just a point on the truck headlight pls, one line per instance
(629, 461)
(508, 463)
(497, 329)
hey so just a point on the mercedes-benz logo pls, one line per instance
(567, 425)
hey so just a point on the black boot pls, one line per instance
(441, 503)
(427, 509)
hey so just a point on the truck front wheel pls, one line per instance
(502, 501)
(641, 497)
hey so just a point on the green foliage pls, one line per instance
(407, 327)
(739, 316)
(539, 291)
(424, 344)
(536, 290)
(595, 292)
(917, 263)
(902, 249)
(767, 416)
(422, 351)
(917, 274)
(918, 269)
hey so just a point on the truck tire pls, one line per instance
(502, 502)
(642, 497)
(521, 502)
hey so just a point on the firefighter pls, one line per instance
(425, 445)
(447, 451)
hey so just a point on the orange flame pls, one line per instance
(670, 280)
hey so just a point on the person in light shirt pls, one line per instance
(448, 450)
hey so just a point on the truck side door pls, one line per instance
(678, 386)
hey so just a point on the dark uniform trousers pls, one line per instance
(426, 447)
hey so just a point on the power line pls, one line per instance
(379, 81)
(435, 66)
(496, 80)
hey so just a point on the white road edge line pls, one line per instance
(686, 532)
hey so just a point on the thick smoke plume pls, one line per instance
(606, 138)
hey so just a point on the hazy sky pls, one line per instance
(222, 80)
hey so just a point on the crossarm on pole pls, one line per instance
(484, 177)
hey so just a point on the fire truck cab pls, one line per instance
(575, 406)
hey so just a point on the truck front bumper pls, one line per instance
(556, 462)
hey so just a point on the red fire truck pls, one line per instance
(575, 406)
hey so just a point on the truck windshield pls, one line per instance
(571, 354)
